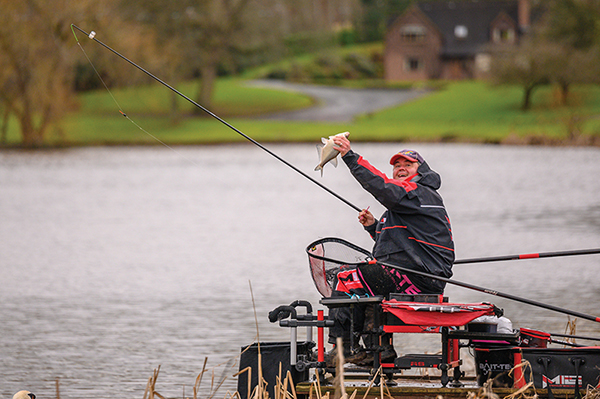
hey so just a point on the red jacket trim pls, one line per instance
(428, 243)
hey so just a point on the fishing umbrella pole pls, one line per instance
(92, 36)
(530, 256)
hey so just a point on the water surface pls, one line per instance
(116, 260)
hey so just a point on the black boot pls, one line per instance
(352, 353)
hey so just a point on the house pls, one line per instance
(447, 39)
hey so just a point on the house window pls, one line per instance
(413, 64)
(503, 35)
(413, 33)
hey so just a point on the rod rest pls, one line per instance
(337, 302)
(283, 312)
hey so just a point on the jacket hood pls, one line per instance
(428, 177)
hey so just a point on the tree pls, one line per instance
(523, 66)
(203, 35)
(571, 29)
(35, 77)
(566, 66)
(38, 58)
(562, 49)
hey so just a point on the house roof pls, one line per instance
(474, 15)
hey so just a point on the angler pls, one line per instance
(414, 232)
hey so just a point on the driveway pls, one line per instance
(338, 104)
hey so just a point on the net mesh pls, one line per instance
(328, 256)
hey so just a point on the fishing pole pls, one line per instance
(575, 336)
(92, 35)
(561, 342)
(530, 256)
(492, 292)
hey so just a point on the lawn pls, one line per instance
(475, 111)
(457, 111)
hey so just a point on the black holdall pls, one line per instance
(563, 368)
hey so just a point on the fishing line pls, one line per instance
(92, 36)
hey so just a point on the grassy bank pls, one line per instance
(457, 112)
(477, 112)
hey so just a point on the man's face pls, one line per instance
(403, 168)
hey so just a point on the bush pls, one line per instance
(365, 67)
(331, 67)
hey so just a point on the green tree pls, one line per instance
(376, 15)
(573, 23)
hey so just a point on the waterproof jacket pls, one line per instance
(415, 224)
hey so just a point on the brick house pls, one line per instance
(447, 39)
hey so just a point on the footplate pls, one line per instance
(418, 360)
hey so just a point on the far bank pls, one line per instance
(450, 112)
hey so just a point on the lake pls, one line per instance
(114, 261)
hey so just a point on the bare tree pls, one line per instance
(38, 54)
(35, 77)
(571, 32)
(566, 66)
(523, 66)
(203, 35)
(562, 49)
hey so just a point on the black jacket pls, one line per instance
(415, 225)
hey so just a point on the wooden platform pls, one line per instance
(418, 387)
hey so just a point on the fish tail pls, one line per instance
(319, 167)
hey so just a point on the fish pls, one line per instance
(327, 152)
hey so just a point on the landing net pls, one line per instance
(328, 256)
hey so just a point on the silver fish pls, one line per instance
(327, 152)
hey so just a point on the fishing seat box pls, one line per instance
(560, 368)
(272, 355)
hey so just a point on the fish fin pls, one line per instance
(324, 140)
(334, 162)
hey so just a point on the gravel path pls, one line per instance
(338, 104)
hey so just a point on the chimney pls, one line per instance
(524, 15)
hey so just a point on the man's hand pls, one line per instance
(342, 144)
(366, 218)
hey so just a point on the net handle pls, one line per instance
(339, 241)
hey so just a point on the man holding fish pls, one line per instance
(414, 232)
